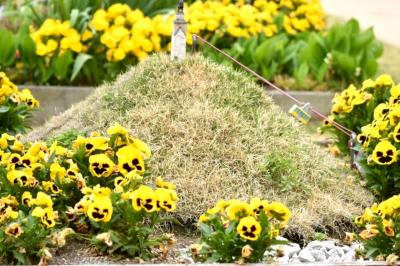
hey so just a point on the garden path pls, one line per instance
(382, 14)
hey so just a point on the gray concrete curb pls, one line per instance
(56, 99)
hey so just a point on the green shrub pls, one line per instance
(95, 189)
(342, 55)
(15, 106)
(380, 226)
(236, 231)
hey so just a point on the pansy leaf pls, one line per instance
(205, 229)
(230, 228)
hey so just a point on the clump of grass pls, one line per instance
(216, 134)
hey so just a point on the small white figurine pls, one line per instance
(178, 50)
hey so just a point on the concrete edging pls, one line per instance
(56, 99)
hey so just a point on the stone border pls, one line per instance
(56, 99)
(322, 101)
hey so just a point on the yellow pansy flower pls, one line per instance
(249, 228)
(130, 159)
(144, 198)
(384, 80)
(57, 172)
(100, 209)
(384, 153)
(100, 165)
(50, 186)
(43, 199)
(278, 211)
(46, 216)
(238, 209)
(14, 230)
(26, 198)
(165, 200)
(258, 205)
(163, 184)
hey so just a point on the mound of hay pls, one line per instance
(216, 134)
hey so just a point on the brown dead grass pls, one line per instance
(211, 130)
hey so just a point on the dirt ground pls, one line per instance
(80, 252)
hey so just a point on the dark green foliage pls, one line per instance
(343, 55)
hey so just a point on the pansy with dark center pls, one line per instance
(100, 165)
(95, 143)
(249, 228)
(144, 198)
(46, 216)
(384, 153)
(14, 230)
(165, 199)
(100, 209)
(396, 133)
(130, 159)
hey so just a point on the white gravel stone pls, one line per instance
(328, 244)
(306, 256)
(288, 250)
(334, 259)
(339, 251)
(295, 260)
(284, 259)
(349, 256)
(319, 255)
(334, 253)
(346, 249)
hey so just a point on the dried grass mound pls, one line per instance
(216, 134)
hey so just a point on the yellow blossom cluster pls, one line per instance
(255, 223)
(373, 113)
(381, 136)
(380, 224)
(126, 31)
(98, 179)
(239, 19)
(299, 15)
(9, 93)
(56, 35)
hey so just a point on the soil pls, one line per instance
(82, 252)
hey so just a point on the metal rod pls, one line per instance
(316, 113)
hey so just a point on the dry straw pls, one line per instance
(217, 135)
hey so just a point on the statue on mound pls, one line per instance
(178, 50)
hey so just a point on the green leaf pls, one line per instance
(344, 63)
(205, 229)
(8, 48)
(27, 49)
(322, 71)
(353, 26)
(370, 68)
(301, 73)
(20, 257)
(79, 63)
(4, 109)
(61, 64)
(363, 39)
(230, 228)
(377, 49)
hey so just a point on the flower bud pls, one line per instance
(246, 251)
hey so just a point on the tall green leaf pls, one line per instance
(7, 48)
(79, 63)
